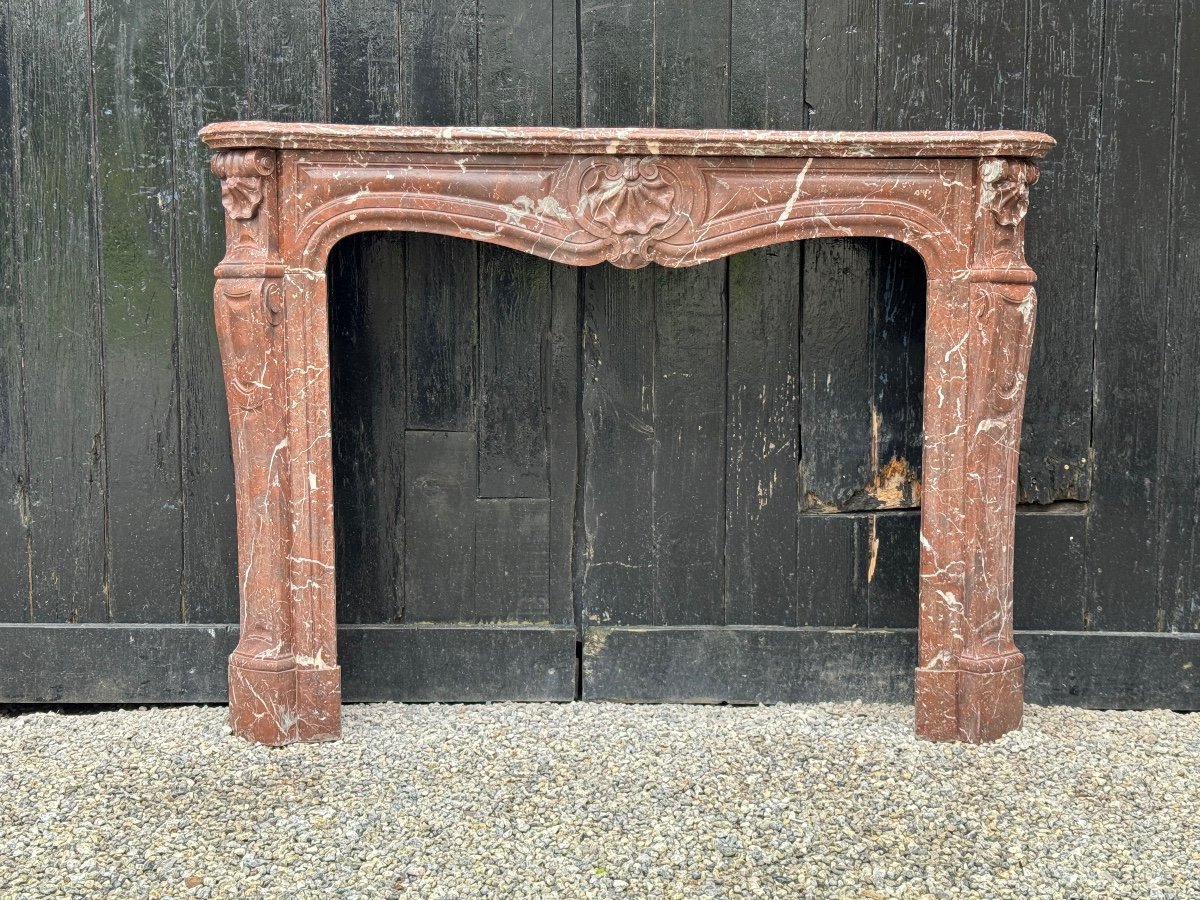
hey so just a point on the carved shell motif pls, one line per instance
(632, 203)
(629, 195)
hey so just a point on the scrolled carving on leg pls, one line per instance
(262, 669)
(249, 194)
(242, 173)
(990, 666)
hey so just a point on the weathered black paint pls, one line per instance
(520, 442)
(740, 664)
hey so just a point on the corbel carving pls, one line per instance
(1003, 203)
(242, 173)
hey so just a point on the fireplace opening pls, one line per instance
(522, 442)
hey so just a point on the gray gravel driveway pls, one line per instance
(600, 800)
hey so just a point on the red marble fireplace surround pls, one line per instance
(629, 197)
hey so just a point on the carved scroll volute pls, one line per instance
(249, 194)
(1002, 324)
(635, 203)
(1000, 220)
(249, 315)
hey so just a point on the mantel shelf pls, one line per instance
(618, 141)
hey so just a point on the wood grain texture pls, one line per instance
(187, 663)
(210, 64)
(1131, 282)
(138, 221)
(440, 472)
(56, 233)
(512, 560)
(1178, 472)
(369, 390)
(15, 595)
(1115, 199)
(803, 665)
(762, 447)
(1064, 97)
(616, 548)
(762, 579)
(363, 44)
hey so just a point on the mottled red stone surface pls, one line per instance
(630, 197)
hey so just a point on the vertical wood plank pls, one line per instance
(439, 522)
(208, 54)
(287, 60)
(438, 80)
(1063, 83)
(564, 54)
(512, 560)
(60, 315)
(761, 493)
(766, 73)
(837, 421)
(766, 90)
(892, 560)
(1048, 567)
(840, 278)
(442, 332)
(989, 63)
(438, 62)
(832, 571)
(616, 63)
(616, 555)
(516, 68)
(14, 533)
(688, 477)
(691, 84)
(514, 319)
(363, 38)
(439, 84)
(133, 81)
(563, 440)
(1131, 282)
(1179, 453)
(516, 79)
(367, 278)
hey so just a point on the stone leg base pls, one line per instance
(320, 695)
(275, 703)
(977, 701)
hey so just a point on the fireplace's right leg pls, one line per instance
(969, 680)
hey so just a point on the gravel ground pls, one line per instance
(600, 800)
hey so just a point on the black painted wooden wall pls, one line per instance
(724, 450)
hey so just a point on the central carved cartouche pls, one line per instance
(633, 203)
(630, 195)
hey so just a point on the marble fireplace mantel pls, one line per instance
(630, 197)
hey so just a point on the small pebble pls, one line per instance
(599, 800)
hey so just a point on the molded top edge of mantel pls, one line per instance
(654, 141)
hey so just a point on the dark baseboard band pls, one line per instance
(737, 664)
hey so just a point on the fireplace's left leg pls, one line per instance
(310, 561)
